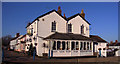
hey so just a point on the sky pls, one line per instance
(103, 16)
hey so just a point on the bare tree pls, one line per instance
(6, 40)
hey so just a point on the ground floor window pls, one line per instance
(68, 45)
(77, 45)
(58, 45)
(63, 45)
(54, 45)
(73, 46)
(84, 45)
(87, 45)
(90, 46)
(81, 45)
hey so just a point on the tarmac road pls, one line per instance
(15, 57)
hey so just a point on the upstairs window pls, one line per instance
(32, 31)
(69, 28)
(82, 29)
(53, 26)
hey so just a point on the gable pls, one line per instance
(45, 15)
(68, 19)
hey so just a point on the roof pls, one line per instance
(22, 36)
(14, 38)
(46, 14)
(67, 19)
(78, 15)
(68, 36)
(97, 38)
(115, 44)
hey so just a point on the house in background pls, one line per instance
(114, 45)
(18, 43)
(99, 46)
(114, 48)
(57, 36)
(14, 41)
(21, 43)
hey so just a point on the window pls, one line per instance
(58, 45)
(103, 48)
(68, 45)
(73, 45)
(53, 26)
(27, 47)
(87, 45)
(90, 46)
(77, 46)
(63, 45)
(81, 45)
(84, 45)
(69, 27)
(30, 40)
(54, 45)
(82, 29)
(31, 32)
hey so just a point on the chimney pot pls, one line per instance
(59, 10)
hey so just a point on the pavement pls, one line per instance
(12, 57)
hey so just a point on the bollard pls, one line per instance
(2, 54)
(49, 54)
(34, 52)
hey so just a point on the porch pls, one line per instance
(68, 48)
(69, 44)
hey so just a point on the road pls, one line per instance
(11, 56)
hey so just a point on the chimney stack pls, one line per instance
(17, 34)
(59, 10)
(82, 14)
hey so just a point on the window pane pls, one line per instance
(90, 46)
(68, 45)
(87, 45)
(82, 29)
(84, 45)
(54, 45)
(81, 45)
(63, 45)
(53, 26)
(77, 46)
(69, 27)
(73, 46)
(58, 45)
